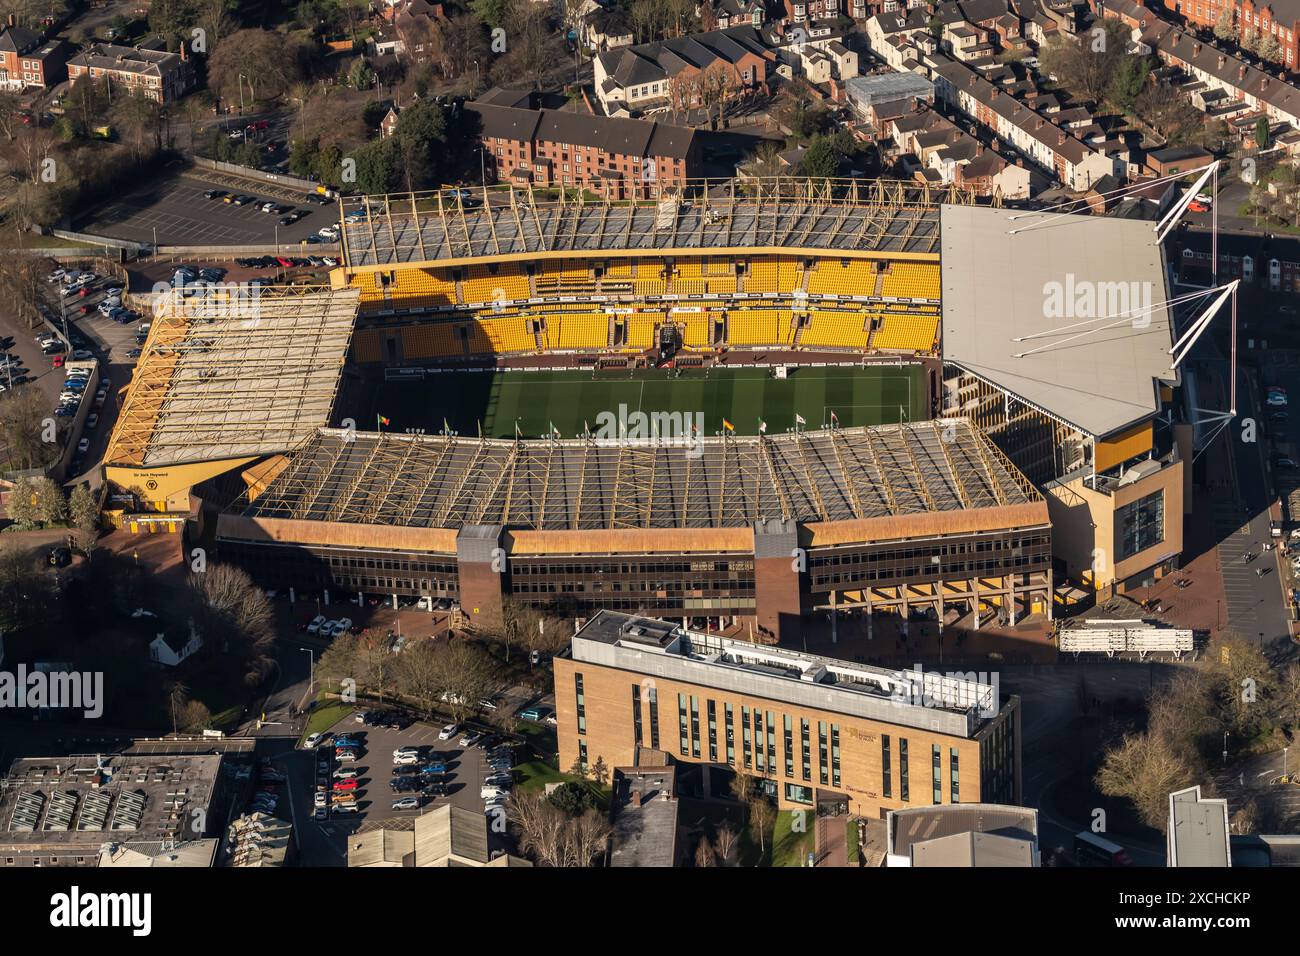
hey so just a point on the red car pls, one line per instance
(58, 361)
(286, 263)
(345, 785)
(1195, 206)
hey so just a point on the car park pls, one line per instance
(215, 194)
(316, 623)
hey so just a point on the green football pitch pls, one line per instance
(536, 401)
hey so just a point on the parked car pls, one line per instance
(407, 803)
(215, 194)
(449, 731)
(314, 626)
(531, 713)
(470, 739)
(312, 739)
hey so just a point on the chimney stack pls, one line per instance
(1196, 49)
(1222, 60)
(1241, 73)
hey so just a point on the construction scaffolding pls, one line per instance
(788, 213)
(234, 372)
(826, 475)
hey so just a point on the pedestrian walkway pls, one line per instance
(830, 848)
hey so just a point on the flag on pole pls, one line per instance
(799, 419)
(728, 426)
(382, 420)
(762, 427)
(555, 431)
(446, 429)
(835, 419)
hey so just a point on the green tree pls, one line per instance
(83, 510)
(379, 167)
(1130, 77)
(492, 12)
(822, 158)
(1226, 28)
(21, 508)
(51, 506)
(1262, 135)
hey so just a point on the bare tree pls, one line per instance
(233, 614)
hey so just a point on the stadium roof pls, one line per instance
(823, 475)
(863, 218)
(235, 373)
(1092, 364)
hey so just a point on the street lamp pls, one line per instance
(311, 667)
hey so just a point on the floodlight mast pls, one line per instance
(1166, 225)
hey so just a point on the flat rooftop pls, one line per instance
(916, 698)
(1052, 309)
(48, 804)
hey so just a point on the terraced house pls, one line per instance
(619, 158)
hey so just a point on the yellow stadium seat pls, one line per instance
(912, 280)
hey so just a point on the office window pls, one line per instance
(823, 763)
(683, 725)
(936, 773)
(654, 718)
(953, 775)
(636, 714)
(582, 754)
(695, 726)
(789, 746)
(835, 755)
(745, 732)
(903, 790)
(582, 704)
(771, 741)
(886, 778)
(806, 747)
(797, 794)
(1140, 525)
(760, 754)
(713, 731)
(728, 716)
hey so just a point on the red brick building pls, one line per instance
(620, 158)
(1279, 18)
(28, 60)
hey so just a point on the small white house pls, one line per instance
(171, 648)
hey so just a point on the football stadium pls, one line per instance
(728, 402)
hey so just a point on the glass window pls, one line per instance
(886, 776)
(1139, 525)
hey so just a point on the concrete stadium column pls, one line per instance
(482, 565)
(779, 570)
